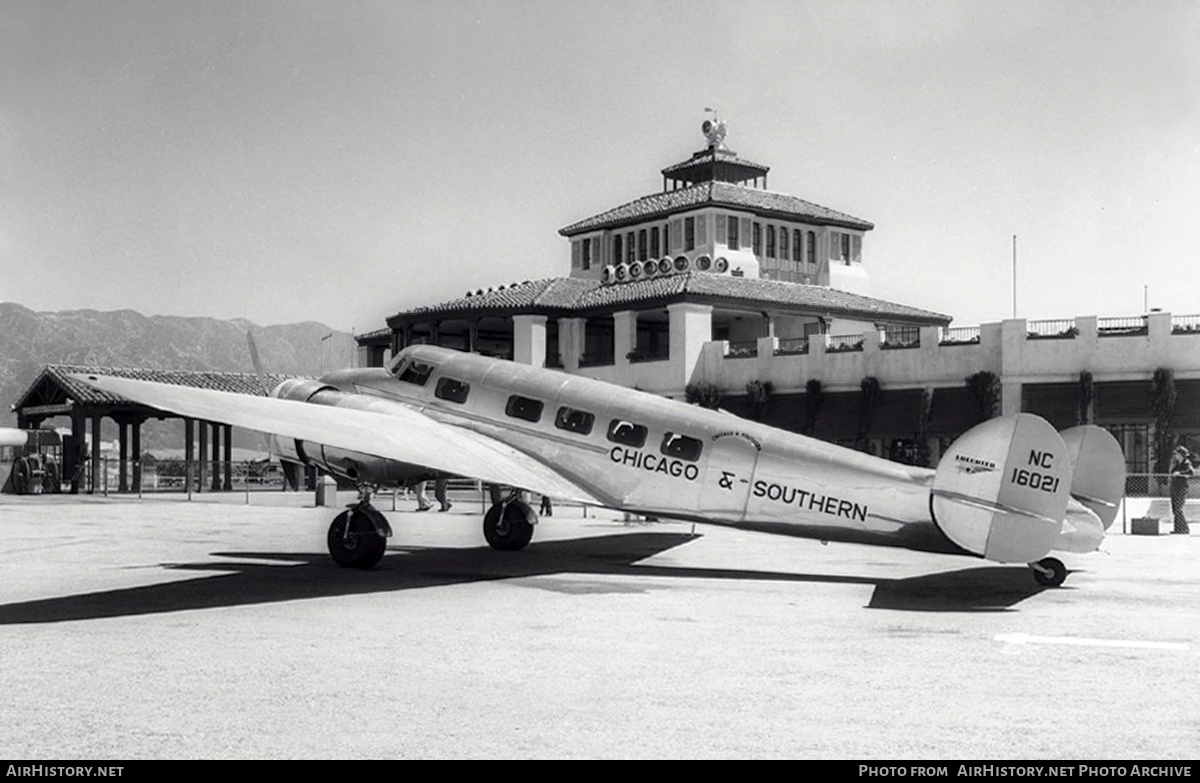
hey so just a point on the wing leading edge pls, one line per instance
(402, 434)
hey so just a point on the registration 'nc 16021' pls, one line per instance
(1035, 479)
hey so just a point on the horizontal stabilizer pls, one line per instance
(1001, 489)
(1099, 479)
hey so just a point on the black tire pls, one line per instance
(21, 473)
(509, 526)
(362, 547)
(51, 479)
(1056, 577)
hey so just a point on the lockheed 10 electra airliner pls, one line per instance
(1010, 490)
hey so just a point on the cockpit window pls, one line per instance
(627, 433)
(452, 390)
(415, 372)
(681, 447)
(574, 420)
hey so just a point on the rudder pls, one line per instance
(1001, 490)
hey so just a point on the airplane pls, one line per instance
(1009, 490)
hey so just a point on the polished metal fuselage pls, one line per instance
(746, 474)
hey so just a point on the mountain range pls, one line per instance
(30, 340)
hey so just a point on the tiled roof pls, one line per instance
(60, 375)
(715, 194)
(572, 296)
(379, 335)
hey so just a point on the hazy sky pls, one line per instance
(339, 161)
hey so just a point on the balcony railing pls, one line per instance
(742, 350)
(1185, 324)
(959, 335)
(843, 343)
(1131, 326)
(1058, 329)
(900, 337)
(791, 346)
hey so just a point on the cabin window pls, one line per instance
(524, 408)
(574, 420)
(452, 390)
(627, 433)
(415, 372)
(681, 447)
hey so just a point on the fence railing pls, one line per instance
(742, 350)
(1185, 324)
(839, 343)
(900, 337)
(959, 335)
(171, 475)
(1129, 326)
(792, 346)
(1057, 329)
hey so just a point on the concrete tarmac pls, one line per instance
(169, 629)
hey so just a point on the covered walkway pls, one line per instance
(207, 445)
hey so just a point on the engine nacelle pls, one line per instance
(353, 465)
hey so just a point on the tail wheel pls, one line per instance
(354, 541)
(1049, 572)
(509, 526)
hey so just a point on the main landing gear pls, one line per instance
(508, 525)
(358, 536)
(1049, 572)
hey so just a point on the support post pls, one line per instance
(95, 454)
(203, 456)
(137, 455)
(189, 448)
(216, 457)
(123, 461)
(228, 457)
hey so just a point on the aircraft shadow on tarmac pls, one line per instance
(302, 576)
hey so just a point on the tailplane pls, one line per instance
(1099, 479)
(1001, 490)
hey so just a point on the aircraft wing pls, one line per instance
(402, 434)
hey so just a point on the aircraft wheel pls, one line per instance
(509, 526)
(1049, 572)
(362, 547)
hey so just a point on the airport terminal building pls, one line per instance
(717, 287)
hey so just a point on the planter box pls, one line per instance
(1144, 526)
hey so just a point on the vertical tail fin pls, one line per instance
(1001, 490)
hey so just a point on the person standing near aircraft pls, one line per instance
(439, 493)
(1181, 471)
